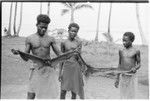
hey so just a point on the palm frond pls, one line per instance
(83, 6)
(64, 11)
(72, 4)
(108, 37)
(66, 4)
(69, 5)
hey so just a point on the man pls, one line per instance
(42, 80)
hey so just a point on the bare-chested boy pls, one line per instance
(129, 59)
(41, 81)
(70, 74)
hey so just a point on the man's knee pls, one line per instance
(31, 95)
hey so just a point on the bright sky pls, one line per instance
(123, 19)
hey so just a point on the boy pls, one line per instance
(70, 74)
(129, 59)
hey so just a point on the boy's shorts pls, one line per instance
(128, 86)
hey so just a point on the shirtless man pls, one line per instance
(129, 59)
(41, 81)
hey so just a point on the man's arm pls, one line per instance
(55, 48)
(27, 45)
(27, 48)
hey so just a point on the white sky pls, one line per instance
(123, 19)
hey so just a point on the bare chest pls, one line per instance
(71, 45)
(129, 54)
(40, 42)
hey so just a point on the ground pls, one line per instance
(15, 72)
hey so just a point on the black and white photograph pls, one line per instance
(75, 49)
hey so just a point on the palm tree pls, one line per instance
(10, 16)
(16, 33)
(107, 35)
(139, 25)
(48, 9)
(14, 27)
(40, 7)
(72, 7)
(97, 29)
(109, 20)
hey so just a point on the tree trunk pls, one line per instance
(41, 8)
(139, 25)
(72, 15)
(19, 27)
(109, 20)
(48, 9)
(97, 29)
(14, 27)
(10, 16)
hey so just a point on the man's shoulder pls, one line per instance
(51, 38)
(31, 36)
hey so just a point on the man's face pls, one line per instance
(42, 28)
(73, 32)
(126, 41)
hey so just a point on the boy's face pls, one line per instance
(42, 28)
(126, 41)
(73, 32)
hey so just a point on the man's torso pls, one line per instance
(40, 46)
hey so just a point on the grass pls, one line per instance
(15, 71)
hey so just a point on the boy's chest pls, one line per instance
(71, 45)
(128, 53)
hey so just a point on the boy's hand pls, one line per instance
(133, 70)
(60, 78)
(116, 83)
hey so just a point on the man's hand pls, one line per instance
(117, 83)
(47, 61)
(15, 52)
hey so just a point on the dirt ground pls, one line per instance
(95, 88)
(14, 72)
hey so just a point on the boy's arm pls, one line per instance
(118, 75)
(83, 67)
(61, 64)
(138, 60)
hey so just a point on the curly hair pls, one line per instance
(73, 25)
(43, 18)
(130, 35)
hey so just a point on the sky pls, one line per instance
(123, 19)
